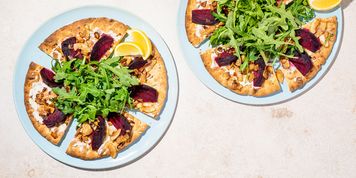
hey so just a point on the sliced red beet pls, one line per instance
(302, 62)
(55, 118)
(225, 58)
(258, 75)
(68, 49)
(137, 63)
(48, 78)
(98, 134)
(203, 17)
(308, 40)
(101, 47)
(120, 122)
(144, 93)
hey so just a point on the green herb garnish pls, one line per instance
(94, 88)
(260, 28)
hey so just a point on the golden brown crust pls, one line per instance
(326, 30)
(238, 82)
(195, 37)
(55, 135)
(155, 77)
(83, 30)
(113, 143)
(269, 86)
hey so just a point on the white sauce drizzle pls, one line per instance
(35, 89)
(213, 62)
(245, 81)
(198, 29)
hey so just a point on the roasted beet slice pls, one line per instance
(225, 58)
(101, 47)
(259, 79)
(302, 62)
(56, 117)
(203, 17)
(98, 134)
(68, 49)
(144, 93)
(120, 122)
(48, 78)
(137, 63)
(308, 40)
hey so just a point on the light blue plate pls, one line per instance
(157, 129)
(193, 59)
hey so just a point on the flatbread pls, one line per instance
(155, 76)
(326, 30)
(231, 78)
(80, 146)
(87, 32)
(269, 86)
(198, 33)
(38, 104)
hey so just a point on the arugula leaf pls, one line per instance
(94, 88)
(260, 28)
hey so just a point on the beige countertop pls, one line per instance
(313, 135)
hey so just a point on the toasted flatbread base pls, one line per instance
(326, 30)
(322, 28)
(111, 145)
(156, 78)
(83, 30)
(54, 134)
(197, 33)
(221, 75)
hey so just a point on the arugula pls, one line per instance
(94, 88)
(260, 28)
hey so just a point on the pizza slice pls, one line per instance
(104, 138)
(317, 39)
(199, 21)
(150, 95)
(91, 38)
(224, 67)
(319, 49)
(39, 100)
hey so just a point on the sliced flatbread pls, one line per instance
(38, 102)
(326, 30)
(231, 77)
(198, 33)
(155, 76)
(113, 143)
(87, 32)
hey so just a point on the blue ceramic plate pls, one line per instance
(157, 129)
(194, 61)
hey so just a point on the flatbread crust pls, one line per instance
(326, 30)
(155, 76)
(56, 133)
(198, 33)
(113, 143)
(84, 30)
(238, 82)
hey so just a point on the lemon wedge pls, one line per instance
(324, 5)
(140, 38)
(128, 49)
